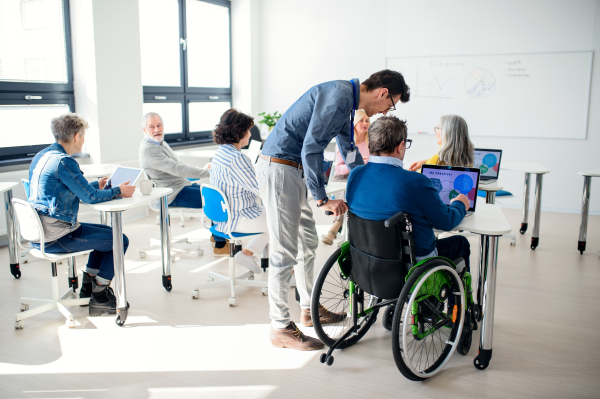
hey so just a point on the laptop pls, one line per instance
(489, 163)
(254, 150)
(450, 181)
(121, 175)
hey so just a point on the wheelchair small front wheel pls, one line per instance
(330, 306)
(388, 316)
(427, 326)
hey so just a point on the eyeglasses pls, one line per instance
(393, 107)
(408, 143)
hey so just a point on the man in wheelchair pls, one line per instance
(382, 188)
(394, 260)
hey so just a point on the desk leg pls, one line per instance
(103, 218)
(11, 234)
(488, 293)
(535, 236)
(73, 278)
(587, 185)
(119, 260)
(490, 197)
(165, 243)
(525, 204)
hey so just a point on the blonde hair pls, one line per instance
(358, 115)
(457, 148)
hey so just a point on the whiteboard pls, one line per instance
(543, 95)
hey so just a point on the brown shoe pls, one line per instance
(291, 337)
(326, 316)
(222, 251)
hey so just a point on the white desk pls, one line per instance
(98, 170)
(11, 232)
(490, 223)
(490, 190)
(587, 185)
(530, 168)
(115, 208)
(205, 153)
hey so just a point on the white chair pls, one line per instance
(31, 229)
(216, 208)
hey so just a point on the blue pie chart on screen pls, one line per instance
(463, 184)
(490, 160)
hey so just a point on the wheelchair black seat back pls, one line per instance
(424, 301)
(381, 256)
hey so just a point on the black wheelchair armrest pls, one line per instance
(394, 219)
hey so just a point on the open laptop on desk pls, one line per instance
(450, 181)
(489, 163)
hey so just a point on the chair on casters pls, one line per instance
(31, 229)
(424, 302)
(216, 208)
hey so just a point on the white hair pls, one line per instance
(457, 148)
(147, 116)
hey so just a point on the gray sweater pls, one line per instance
(163, 166)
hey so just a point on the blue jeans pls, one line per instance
(455, 247)
(190, 197)
(90, 236)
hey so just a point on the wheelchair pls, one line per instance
(428, 306)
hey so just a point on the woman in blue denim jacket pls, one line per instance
(56, 187)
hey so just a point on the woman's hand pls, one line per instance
(416, 165)
(208, 166)
(102, 182)
(126, 191)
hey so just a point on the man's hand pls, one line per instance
(102, 182)
(126, 191)
(463, 198)
(208, 166)
(338, 207)
(416, 165)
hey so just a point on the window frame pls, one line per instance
(15, 93)
(191, 94)
(170, 98)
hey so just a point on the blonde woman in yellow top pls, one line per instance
(456, 148)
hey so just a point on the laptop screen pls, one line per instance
(488, 161)
(450, 181)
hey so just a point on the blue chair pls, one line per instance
(216, 208)
(501, 194)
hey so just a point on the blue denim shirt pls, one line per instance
(56, 185)
(307, 127)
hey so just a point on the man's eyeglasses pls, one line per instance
(393, 107)
(408, 143)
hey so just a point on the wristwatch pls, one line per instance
(323, 203)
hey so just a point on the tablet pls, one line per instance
(121, 175)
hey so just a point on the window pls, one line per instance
(186, 65)
(36, 81)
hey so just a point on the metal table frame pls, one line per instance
(11, 231)
(585, 207)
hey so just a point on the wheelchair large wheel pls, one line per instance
(332, 291)
(426, 329)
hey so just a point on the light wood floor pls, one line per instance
(546, 336)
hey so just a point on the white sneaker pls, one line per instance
(248, 262)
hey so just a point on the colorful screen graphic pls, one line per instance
(488, 162)
(450, 183)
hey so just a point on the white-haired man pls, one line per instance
(166, 170)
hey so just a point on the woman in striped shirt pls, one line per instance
(233, 173)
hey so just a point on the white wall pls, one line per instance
(306, 42)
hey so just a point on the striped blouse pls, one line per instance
(233, 173)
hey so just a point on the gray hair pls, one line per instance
(457, 148)
(66, 126)
(385, 134)
(147, 116)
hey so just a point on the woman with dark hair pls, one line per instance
(233, 173)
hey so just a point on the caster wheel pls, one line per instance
(477, 311)
(265, 291)
(196, 294)
(142, 255)
(330, 361)
(169, 288)
(232, 302)
(388, 315)
(533, 247)
(523, 228)
(19, 325)
(181, 224)
(251, 277)
(479, 365)
(210, 279)
(71, 323)
(513, 242)
(323, 357)
(120, 322)
(172, 259)
(24, 307)
(15, 270)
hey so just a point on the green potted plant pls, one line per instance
(270, 120)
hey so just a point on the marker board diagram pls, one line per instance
(543, 95)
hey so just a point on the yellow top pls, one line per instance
(434, 160)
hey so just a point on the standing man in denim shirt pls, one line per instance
(293, 150)
(56, 185)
